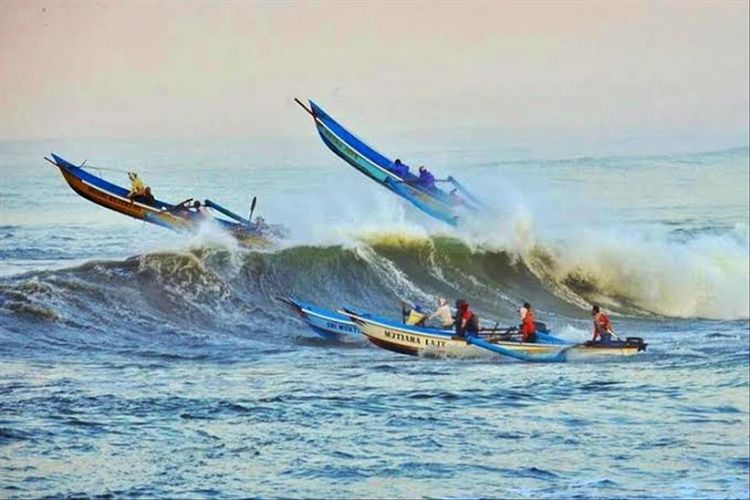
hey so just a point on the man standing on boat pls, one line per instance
(602, 326)
(528, 326)
(467, 323)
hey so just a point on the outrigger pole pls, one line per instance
(557, 357)
(226, 212)
(461, 188)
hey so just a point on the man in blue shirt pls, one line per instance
(426, 179)
(399, 168)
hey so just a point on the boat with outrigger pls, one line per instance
(177, 217)
(421, 340)
(447, 206)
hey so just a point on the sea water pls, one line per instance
(140, 362)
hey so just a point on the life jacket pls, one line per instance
(472, 325)
(414, 318)
(602, 324)
(528, 327)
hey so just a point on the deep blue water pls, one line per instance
(140, 362)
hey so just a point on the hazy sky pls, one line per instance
(671, 73)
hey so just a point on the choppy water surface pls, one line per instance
(136, 361)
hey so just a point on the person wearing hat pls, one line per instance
(416, 316)
(137, 186)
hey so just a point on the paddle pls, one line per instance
(252, 209)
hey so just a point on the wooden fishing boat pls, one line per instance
(176, 217)
(415, 340)
(446, 206)
(327, 324)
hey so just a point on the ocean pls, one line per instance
(139, 362)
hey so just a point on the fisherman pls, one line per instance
(399, 168)
(528, 326)
(602, 326)
(137, 186)
(416, 317)
(201, 210)
(147, 197)
(426, 179)
(443, 314)
(467, 323)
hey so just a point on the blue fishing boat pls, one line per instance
(327, 324)
(447, 206)
(179, 217)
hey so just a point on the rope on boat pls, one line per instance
(120, 171)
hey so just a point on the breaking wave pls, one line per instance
(206, 289)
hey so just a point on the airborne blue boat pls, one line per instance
(447, 206)
(176, 217)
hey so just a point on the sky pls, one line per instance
(586, 76)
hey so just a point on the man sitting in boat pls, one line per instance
(467, 323)
(137, 186)
(399, 168)
(147, 197)
(528, 326)
(139, 191)
(416, 317)
(443, 314)
(201, 210)
(602, 326)
(426, 179)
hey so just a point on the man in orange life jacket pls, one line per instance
(602, 326)
(528, 327)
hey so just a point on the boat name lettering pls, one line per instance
(341, 145)
(414, 339)
(338, 326)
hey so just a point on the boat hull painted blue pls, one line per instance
(355, 152)
(114, 197)
(326, 323)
